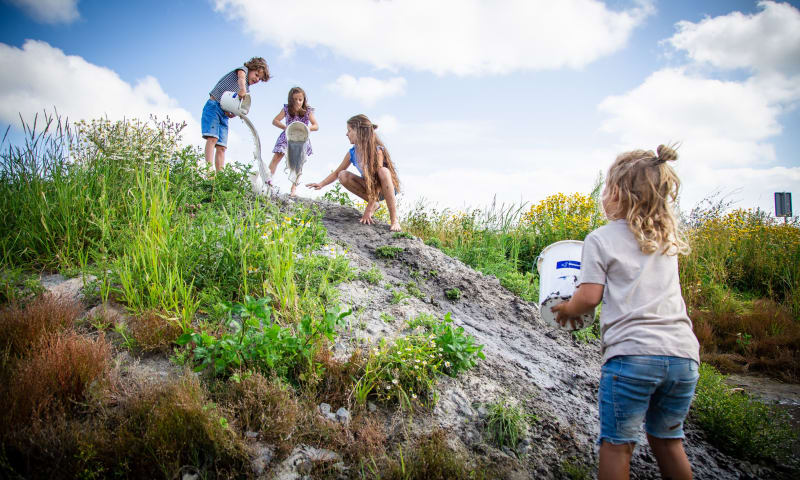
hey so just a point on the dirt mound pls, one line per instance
(544, 370)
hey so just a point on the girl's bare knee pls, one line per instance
(342, 177)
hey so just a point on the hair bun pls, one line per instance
(666, 154)
(374, 126)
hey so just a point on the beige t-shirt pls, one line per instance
(643, 310)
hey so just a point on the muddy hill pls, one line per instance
(546, 372)
(554, 377)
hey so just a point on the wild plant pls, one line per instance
(403, 372)
(373, 275)
(398, 296)
(459, 350)
(253, 341)
(388, 251)
(506, 423)
(453, 294)
(738, 424)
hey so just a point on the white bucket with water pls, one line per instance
(231, 102)
(559, 266)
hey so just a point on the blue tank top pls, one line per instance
(354, 159)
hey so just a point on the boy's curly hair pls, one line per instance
(648, 190)
(258, 63)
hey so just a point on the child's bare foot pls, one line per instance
(293, 191)
(395, 227)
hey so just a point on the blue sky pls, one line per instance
(475, 99)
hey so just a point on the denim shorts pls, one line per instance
(214, 123)
(656, 390)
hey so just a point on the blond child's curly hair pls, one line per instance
(647, 191)
(258, 63)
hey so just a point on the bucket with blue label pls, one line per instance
(559, 267)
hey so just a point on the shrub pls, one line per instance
(506, 424)
(736, 423)
(373, 275)
(254, 342)
(430, 458)
(153, 331)
(58, 375)
(388, 251)
(23, 327)
(267, 406)
(405, 371)
(453, 293)
(397, 235)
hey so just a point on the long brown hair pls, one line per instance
(303, 109)
(648, 191)
(367, 143)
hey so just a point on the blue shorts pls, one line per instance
(214, 123)
(656, 390)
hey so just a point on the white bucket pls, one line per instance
(559, 266)
(232, 103)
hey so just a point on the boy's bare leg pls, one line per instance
(273, 165)
(671, 457)
(615, 461)
(219, 158)
(387, 186)
(211, 142)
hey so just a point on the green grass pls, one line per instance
(506, 424)
(388, 251)
(738, 424)
(453, 294)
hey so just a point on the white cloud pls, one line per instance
(725, 127)
(40, 77)
(723, 122)
(464, 37)
(766, 41)
(49, 11)
(368, 90)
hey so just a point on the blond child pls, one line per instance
(650, 353)
(378, 178)
(214, 121)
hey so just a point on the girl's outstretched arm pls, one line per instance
(277, 120)
(314, 126)
(333, 175)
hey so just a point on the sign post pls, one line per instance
(783, 205)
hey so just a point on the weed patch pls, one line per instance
(373, 275)
(60, 374)
(736, 423)
(388, 251)
(453, 294)
(23, 327)
(506, 424)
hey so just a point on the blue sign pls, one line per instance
(568, 264)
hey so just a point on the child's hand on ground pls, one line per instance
(366, 219)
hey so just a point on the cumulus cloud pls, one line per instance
(49, 11)
(766, 41)
(463, 37)
(723, 121)
(41, 77)
(725, 126)
(368, 90)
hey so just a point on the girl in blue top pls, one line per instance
(378, 178)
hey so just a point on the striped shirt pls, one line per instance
(229, 83)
